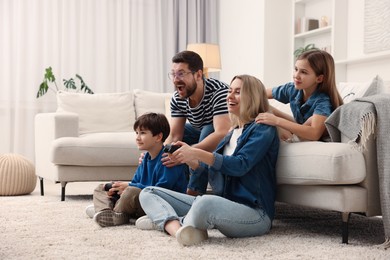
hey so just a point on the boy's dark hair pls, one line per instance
(193, 60)
(155, 123)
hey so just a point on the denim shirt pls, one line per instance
(248, 175)
(318, 103)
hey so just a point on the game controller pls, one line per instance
(169, 148)
(115, 196)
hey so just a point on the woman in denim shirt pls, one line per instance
(313, 96)
(241, 173)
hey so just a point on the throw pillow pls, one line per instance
(103, 112)
(168, 108)
(148, 101)
(376, 87)
(352, 90)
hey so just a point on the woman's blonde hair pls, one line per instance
(253, 100)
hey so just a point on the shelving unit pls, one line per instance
(331, 37)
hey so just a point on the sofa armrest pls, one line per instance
(371, 182)
(56, 125)
(48, 127)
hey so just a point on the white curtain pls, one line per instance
(115, 45)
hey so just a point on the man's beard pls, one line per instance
(190, 90)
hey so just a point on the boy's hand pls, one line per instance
(119, 187)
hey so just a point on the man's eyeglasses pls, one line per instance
(180, 75)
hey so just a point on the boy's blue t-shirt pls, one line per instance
(154, 173)
(319, 103)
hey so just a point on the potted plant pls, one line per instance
(69, 84)
(299, 51)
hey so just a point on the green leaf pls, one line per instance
(43, 88)
(310, 46)
(84, 86)
(300, 50)
(69, 84)
(49, 76)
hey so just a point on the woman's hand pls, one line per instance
(167, 159)
(183, 155)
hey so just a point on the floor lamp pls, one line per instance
(209, 54)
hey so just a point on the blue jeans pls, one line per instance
(193, 136)
(203, 212)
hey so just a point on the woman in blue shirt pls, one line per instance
(313, 96)
(241, 173)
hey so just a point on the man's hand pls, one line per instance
(141, 158)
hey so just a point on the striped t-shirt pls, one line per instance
(213, 103)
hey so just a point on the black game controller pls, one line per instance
(115, 196)
(169, 148)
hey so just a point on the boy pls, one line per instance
(120, 203)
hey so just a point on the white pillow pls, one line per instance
(104, 112)
(352, 90)
(168, 108)
(148, 101)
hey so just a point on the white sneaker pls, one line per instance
(145, 223)
(188, 235)
(90, 211)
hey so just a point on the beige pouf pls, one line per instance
(17, 175)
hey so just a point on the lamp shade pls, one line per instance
(209, 54)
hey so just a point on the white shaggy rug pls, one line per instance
(36, 227)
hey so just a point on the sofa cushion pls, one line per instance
(353, 90)
(96, 149)
(319, 163)
(103, 112)
(147, 101)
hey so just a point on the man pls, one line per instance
(202, 102)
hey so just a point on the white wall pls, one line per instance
(362, 70)
(240, 38)
(255, 39)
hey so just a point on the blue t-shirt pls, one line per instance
(318, 103)
(151, 172)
